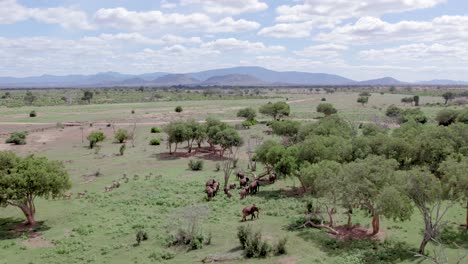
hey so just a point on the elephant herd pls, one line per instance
(247, 187)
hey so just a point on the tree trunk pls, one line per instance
(349, 219)
(29, 215)
(175, 150)
(189, 146)
(466, 215)
(302, 183)
(330, 217)
(375, 224)
(424, 243)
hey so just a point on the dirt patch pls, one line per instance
(356, 232)
(288, 260)
(35, 240)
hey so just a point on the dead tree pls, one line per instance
(228, 168)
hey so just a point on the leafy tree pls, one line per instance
(371, 183)
(392, 89)
(155, 130)
(87, 96)
(448, 96)
(416, 100)
(425, 191)
(463, 116)
(212, 127)
(372, 129)
(177, 132)
(276, 110)
(248, 113)
(412, 114)
(454, 172)
(29, 98)
(196, 133)
(326, 109)
(178, 109)
(327, 126)
(24, 179)
(95, 137)
(393, 111)
(17, 138)
(121, 135)
(446, 117)
(363, 100)
(227, 139)
(286, 128)
(407, 100)
(317, 148)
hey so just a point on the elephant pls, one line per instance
(250, 210)
(243, 193)
(272, 178)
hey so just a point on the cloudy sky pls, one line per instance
(360, 39)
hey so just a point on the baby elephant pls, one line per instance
(250, 210)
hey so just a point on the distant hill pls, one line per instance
(175, 79)
(383, 81)
(233, 80)
(221, 77)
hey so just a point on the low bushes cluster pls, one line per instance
(17, 138)
(255, 247)
(155, 130)
(155, 142)
(195, 165)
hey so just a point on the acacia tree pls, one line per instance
(227, 139)
(87, 96)
(448, 96)
(177, 132)
(371, 184)
(426, 192)
(326, 109)
(276, 110)
(24, 179)
(288, 129)
(249, 114)
(454, 172)
(363, 100)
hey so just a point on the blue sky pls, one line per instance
(360, 39)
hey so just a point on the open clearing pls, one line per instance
(101, 227)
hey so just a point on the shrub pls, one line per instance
(463, 116)
(17, 138)
(155, 142)
(161, 255)
(195, 165)
(393, 111)
(121, 135)
(366, 94)
(122, 149)
(280, 248)
(178, 109)
(141, 236)
(323, 99)
(446, 117)
(217, 167)
(133, 111)
(255, 247)
(243, 233)
(155, 130)
(326, 109)
(95, 137)
(32, 113)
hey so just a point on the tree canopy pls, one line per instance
(275, 110)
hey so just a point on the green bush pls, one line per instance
(121, 135)
(323, 99)
(122, 149)
(178, 109)
(141, 236)
(280, 248)
(95, 137)
(17, 138)
(155, 142)
(446, 117)
(217, 167)
(32, 113)
(195, 165)
(155, 130)
(161, 255)
(255, 247)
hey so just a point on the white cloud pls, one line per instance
(372, 30)
(292, 30)
(323, 51)
(327, 14)
(12, 12)
(230, 7)
(167, 4)
(138, 38)
(156, 20)
(419, 53)
(232, 44)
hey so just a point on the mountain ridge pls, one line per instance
(235, 76)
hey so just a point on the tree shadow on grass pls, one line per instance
(369, 250)
(11, 228)
(280, 194)
(455, 237)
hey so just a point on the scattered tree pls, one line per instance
(121, 135)
(276, 110)
(448, 96)
(363, 100)
(446, 117)
(87, 96)
(95, 137)
(326, 109)
(24, 179)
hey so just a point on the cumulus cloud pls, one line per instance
(232, 44)
(138, 38)
(292, 30)
(157, 20)
(323, 51)
(231, 7)
(371, 30)
(12, 12)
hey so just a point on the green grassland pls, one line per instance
(101, 227)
